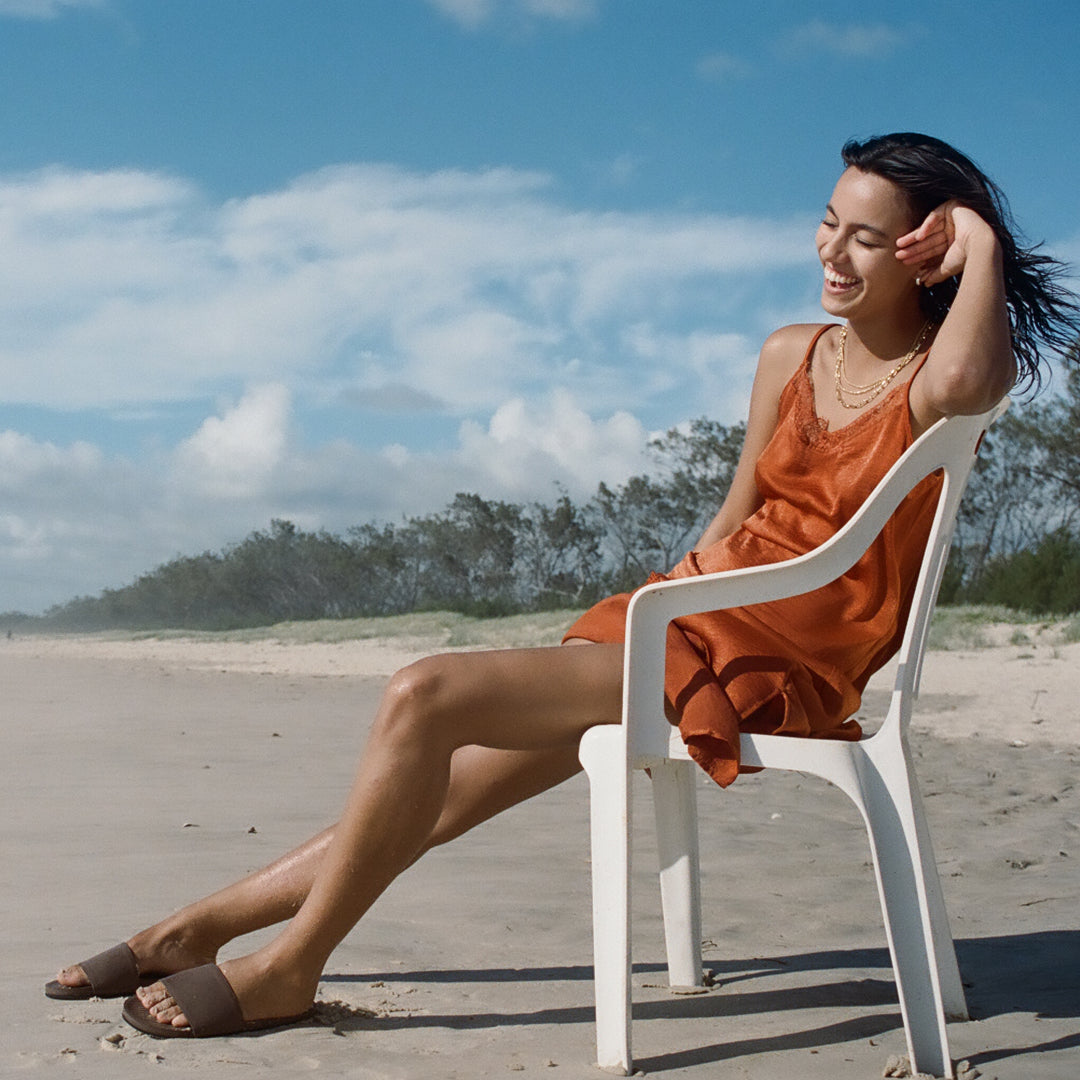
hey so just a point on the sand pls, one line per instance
(139, 774)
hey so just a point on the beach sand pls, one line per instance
(139, 774)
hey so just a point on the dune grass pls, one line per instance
(954, 628)
(981, 626)
(444, 629)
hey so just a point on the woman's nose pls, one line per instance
(832, 247)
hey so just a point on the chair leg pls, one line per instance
(895, 842)
(603, 756)
(675, 805)
(953, 999)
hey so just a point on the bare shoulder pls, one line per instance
(784, 350)
(780, 357)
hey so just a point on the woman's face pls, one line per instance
(856, 243)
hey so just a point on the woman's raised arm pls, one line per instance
(971, 364)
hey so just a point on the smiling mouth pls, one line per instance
(838, 280)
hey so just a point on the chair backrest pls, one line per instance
(949, 445)
(955, 440)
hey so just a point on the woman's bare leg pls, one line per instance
(193, 935)
(483, 783)
(534, 704)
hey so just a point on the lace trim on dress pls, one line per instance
(815, 429)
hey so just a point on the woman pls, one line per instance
(942, 313)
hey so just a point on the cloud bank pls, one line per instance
(123, 287)
(463, 331)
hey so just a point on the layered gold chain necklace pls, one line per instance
(864, 394)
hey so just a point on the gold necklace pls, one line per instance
(868, 392)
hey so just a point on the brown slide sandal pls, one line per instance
(112, 973)
(207, 1000)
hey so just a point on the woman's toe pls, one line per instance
(159, 1003)
(168, 1012)
(153, 995)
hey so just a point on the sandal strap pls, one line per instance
(113, 972)
(206, 999)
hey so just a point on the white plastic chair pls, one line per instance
(876, 772)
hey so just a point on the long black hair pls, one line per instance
(1043, 312)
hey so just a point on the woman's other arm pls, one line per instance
(971, 364)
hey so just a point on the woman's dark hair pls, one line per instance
(1043, 313)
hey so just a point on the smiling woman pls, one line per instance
(947, 192)
(458, 738)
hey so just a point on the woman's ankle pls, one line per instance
(174, 943)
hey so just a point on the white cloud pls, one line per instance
(722, 364)
(68, 514)
(467, 12)
(235, 455)
(561, 9)
(25, 462)
(854, 40)
(1068, 252)
(75, 521)
(474, 13)
(44, 9)
(527, 448)
(124, 289)
(541, 333)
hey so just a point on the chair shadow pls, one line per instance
(1035, 973)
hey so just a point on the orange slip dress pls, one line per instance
(796, 666)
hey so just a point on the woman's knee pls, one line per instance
(415, 698)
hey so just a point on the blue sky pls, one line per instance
(335, 261)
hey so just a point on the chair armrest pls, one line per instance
(652, 607)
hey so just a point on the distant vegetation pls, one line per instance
(1017, 543)
(1018, 537)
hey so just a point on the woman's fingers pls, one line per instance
(930, 248)
(937, 222)
(932, 225)
(938, 249)
(919, 251)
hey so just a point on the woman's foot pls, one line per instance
(161, 950)
(265, 988)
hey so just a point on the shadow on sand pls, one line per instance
(1036, 973)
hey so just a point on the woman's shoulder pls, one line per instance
(785, 349)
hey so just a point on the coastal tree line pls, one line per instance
(1017, 543)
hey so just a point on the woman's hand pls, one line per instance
(971, 363)
(940, 247)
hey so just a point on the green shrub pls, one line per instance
(1045, 579)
